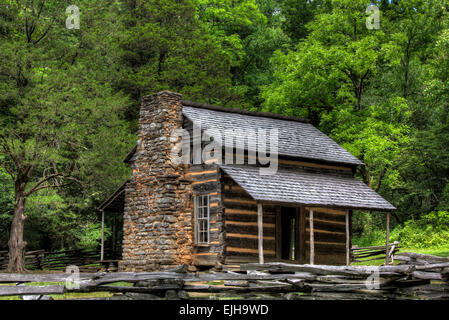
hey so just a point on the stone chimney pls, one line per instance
(158, 215)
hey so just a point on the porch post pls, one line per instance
(278, 233)
(114, 234)
(260, 230)
(387, 258)
(348, 240)
(102, 236)
(312, 238)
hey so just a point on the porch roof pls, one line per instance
(116, 202)
(314, 189)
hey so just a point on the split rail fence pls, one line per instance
(374, 253)
(86, 259)
(417, 277)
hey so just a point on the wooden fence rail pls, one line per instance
(374, 253)
(86, 259)
(254, 281)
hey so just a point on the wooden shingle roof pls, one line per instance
(315, 189)
(296, 137)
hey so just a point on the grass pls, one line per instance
(10, 298)
(215, 283)
(81, 295)
(441, 252)
(231, 298)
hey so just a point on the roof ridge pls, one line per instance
(194, 104)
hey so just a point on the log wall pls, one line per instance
(233, 218)
(205, 181)
(330, 236)
(240, 221)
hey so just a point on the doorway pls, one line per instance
(289, 233)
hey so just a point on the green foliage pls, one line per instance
(69, 99)
(330, 68)
(370, 238)
(6, 206)
(431, 231)
(382, 94)
(297, 14)
(89, 235)
(164, 46)
(53, 224)
(62, 120)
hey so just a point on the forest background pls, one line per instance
(69, 98)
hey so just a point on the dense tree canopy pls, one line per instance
(69, 98)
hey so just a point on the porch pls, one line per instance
(300, 216)
(112, 218)
(312, 235)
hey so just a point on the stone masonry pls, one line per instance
(158, 216)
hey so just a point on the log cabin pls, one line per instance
(220, 211)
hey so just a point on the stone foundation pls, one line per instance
(158, 215)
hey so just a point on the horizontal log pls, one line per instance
(317, 295)
(124, 289)
(333, 280)
(329, 226)
(237, 283)
(106, 278)
(250, 244)
(420, 258)
(375, 247)
(349, 287)
(433, 266)
(240, 211)
(212, 289)
(325, 221)
(30, 290)
(247, 236)
(278, 287)
(330, 238)
(56, 277)
(311, 165)
(249, 250)
(336, 270)
(427, 275)
(242, 202)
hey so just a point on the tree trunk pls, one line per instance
(16, 244)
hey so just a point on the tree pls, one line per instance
(424, 164)
(297, 14)
(378, 136)
(248, 33)
(163, 46)
(330, 68)
(412, 26)
(57, 102)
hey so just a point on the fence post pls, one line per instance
(387, 258)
